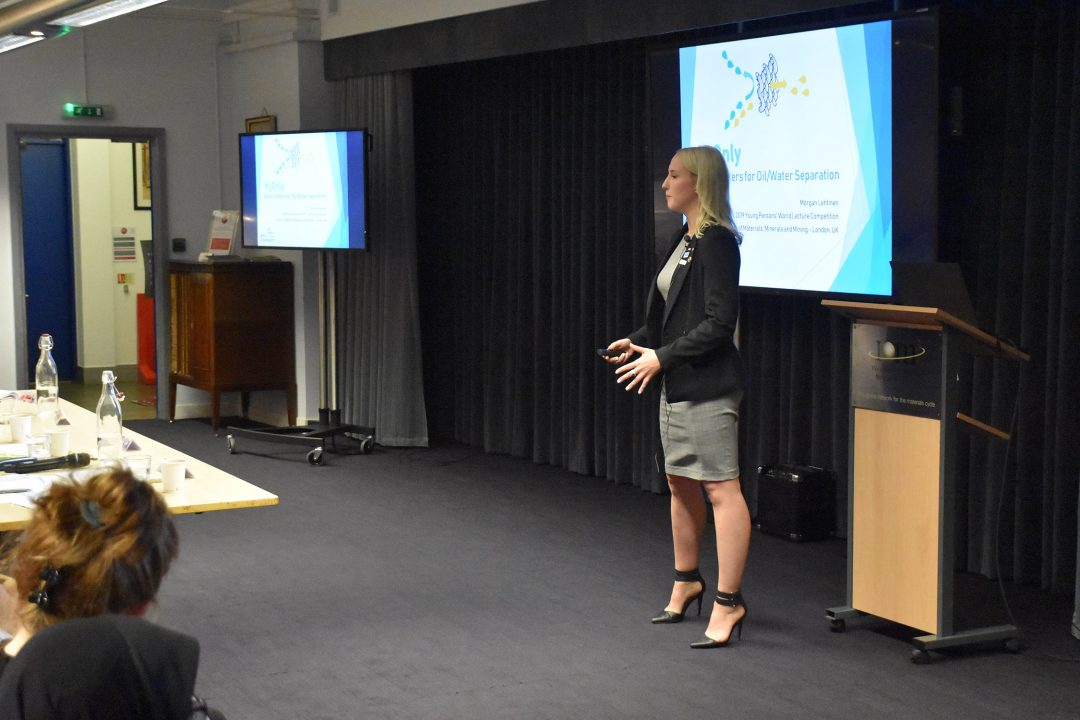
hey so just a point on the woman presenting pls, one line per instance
(687, 344)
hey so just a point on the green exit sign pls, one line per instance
(76, 110)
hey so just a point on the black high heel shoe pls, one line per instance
(734, 599)
(670, 616)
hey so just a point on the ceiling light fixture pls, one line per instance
(103, 11)
(10, 42)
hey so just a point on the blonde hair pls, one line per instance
(712, 186)
(93, 548)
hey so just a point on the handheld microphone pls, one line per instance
(32, 465)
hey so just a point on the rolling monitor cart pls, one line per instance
(329, 434)
(904, 416)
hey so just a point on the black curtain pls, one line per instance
(1010, 214)
(533, 203)
(796, 411)
(535, 247)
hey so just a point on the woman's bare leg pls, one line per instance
(732, 520)
(687, 523)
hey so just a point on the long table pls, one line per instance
(206, 489)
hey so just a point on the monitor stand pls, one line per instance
(329, 435)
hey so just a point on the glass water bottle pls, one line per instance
(110, 419)
(46, 380)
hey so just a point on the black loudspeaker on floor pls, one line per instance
(796, 502)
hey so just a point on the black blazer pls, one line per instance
(693, 332)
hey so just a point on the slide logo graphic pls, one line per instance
(766, 85)
(897, 352)
(294, 155)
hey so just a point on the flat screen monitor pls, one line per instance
(830, 139)
(304, 190)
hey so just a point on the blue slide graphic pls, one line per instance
(805, 123)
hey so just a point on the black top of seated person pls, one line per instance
(109, 667)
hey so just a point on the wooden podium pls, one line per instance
(904, 415)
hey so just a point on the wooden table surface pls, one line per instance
(206, 488)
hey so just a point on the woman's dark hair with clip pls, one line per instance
(102, 546)
(50, 578)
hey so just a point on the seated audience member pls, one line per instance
(91, 548)
(109, 667)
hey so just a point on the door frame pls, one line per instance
(158, 222)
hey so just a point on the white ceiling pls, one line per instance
(336, 18)
(224, 10)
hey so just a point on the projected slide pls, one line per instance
(299, 192)
(303, 190)
(805, 124)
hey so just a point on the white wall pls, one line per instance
(101, 194)
(21, 75)
(91, 220)
(154, 73)
(173, 71)
(352, 17)
(124, 214)
(284, 78)
(316, 95)
(163, 73)
(102, 199)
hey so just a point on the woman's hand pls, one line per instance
(640, 371)
(620, 351)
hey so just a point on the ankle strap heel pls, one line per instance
(731, 600)
(734, 599)
(688, 576)
(665, 616)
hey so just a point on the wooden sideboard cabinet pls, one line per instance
(232, 330)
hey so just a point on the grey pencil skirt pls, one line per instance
(701, 438)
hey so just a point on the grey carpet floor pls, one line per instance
(448, 583)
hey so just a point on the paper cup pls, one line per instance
(20, 427)
(172, 475)
(59, 442)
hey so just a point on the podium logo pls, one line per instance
(889, 351)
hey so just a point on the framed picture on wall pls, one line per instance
(261, 124)
(140, 174)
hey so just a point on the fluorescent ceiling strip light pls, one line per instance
(10, 42)
(105, 11)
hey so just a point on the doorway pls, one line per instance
(85, 206)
